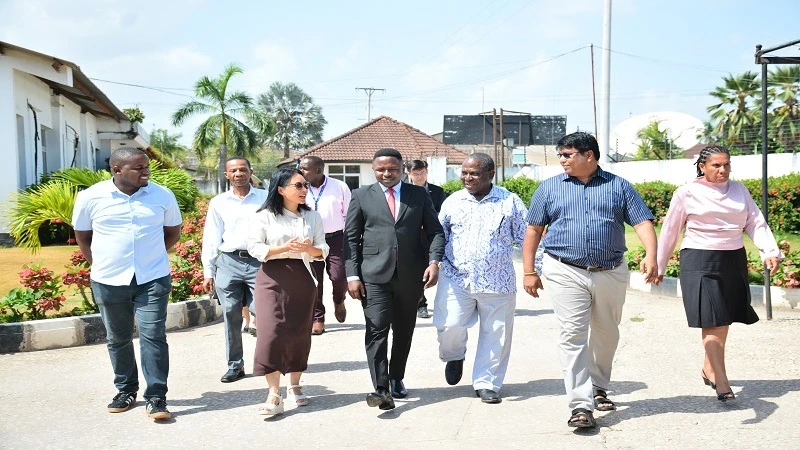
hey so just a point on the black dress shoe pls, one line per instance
(232, 375)
(422, 312)
(488, 396)
(380, 398)
(398, 389)
(453, 371)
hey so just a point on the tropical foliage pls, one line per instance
(52, 201)
(230, 121)
(135, 115)
(656, 143)
(167, 144)
(298, 121)
(736, 117)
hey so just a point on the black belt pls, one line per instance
(586, 268)
(241, 254)
(335, 233)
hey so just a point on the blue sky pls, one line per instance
(433, 58)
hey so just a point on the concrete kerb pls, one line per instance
(80, 330)
(671, 287)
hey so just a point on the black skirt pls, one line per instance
(715, 287)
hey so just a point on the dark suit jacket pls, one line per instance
(373, 237)
(437, 196)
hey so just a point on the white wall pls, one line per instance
(681, 171)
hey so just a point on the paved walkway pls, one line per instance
(57, 398)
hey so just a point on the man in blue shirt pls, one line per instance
(481, 225)
(585, 210)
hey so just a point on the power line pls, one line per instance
(370, 91)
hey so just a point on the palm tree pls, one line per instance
(231, 119)
(734, 115)
(167, 143)
(785, 120)
(298, 121)
(655, 143)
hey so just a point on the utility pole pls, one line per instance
(604, 133)
(369, 91)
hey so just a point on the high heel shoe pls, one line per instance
(707, 381)
(271, 409)
(299, 399)
(725, 396)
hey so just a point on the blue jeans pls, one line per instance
(235, 282)
(148, 303)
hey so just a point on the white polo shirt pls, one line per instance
(127, 231)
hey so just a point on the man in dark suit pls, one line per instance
(417, 171)
(388, 266)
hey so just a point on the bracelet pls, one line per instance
(530, 273)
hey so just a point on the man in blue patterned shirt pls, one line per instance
(585, 210)
(481, 225)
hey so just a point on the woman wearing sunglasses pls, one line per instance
(285, 235)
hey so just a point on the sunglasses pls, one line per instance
(566, 155)
(299, 185)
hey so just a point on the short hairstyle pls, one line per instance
(388, 152)
(581, 142)
(315, 161)
(416, 164)
(235, 158)
(274, 202)
(705, 153)
(485, 162)
(123, 154)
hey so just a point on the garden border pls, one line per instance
(88, 329)
(671, 287)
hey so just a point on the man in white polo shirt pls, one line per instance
(227, 267)
(124, 227)
(330, 198)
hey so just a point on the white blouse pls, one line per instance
(268, 230)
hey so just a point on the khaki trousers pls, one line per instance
(588, 307)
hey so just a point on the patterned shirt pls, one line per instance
(479, 238)
(586, 222)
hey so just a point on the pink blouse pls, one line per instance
(714, 215)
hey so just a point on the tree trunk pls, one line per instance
(285, 148)
(223, 156)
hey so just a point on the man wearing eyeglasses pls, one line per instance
(228, 268)
(330, 198)
(585, 210)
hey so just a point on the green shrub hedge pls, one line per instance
(656, 195)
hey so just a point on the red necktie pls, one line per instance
(391, 201)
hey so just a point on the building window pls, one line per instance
(349, 173)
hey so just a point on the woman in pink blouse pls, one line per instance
(713, 264)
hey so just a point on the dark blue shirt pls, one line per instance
(586, 222)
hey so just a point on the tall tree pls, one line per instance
(734, 116)
(231, 120)
(167, 143)
(785, 117)
(298, 121)
(655, 143)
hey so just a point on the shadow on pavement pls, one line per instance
(343, 366)
(750, 397)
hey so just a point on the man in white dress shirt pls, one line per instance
(477, 282)
(124, 227)
(227, 267)
(330, 198)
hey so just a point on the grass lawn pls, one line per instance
(632, 241)
(53, 257)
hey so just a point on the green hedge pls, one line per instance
(656, 195)
(522, 186)
(784, 201)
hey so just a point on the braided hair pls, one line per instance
(705, 153)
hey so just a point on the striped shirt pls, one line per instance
(586, 222)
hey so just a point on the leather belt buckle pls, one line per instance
(243, 254)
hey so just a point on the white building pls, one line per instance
(52, 116)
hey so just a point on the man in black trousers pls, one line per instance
(388, 267)
(417, 171)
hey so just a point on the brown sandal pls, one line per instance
(582, 418)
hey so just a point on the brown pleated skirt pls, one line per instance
(284, 298)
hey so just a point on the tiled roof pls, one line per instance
(360, 143)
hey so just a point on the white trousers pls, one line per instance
(584, 301)
(455, 310)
